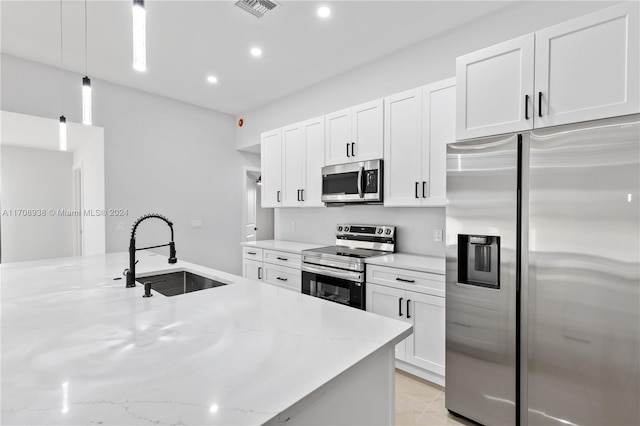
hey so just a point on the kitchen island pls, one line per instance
(80, 348)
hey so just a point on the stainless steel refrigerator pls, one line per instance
(543, 276)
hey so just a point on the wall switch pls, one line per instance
(196, 223)
(437, 235)
(120, 226)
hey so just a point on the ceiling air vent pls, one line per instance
(257, 8)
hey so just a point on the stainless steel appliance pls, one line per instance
(353, 183)
(543, 276)
(337, 273)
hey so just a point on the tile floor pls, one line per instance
(421, 403)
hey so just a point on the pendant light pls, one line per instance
(63, 120)
(86, 81)
(139, 36)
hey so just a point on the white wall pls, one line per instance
(317, 225)
(89, 156)
(425, 62)
(35, 179)
(161, 156)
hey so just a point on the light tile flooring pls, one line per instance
(421, 403)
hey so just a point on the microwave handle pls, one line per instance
(360, 176)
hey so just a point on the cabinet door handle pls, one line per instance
(302, 195)
(298, 195)
(408, 314)
(353, 149)
(282, 258)
(400, 307)
(526, 107)
(282, 279)
(252, 252)
(424, 189)
(404, 280)
(348, 150)
(259, 272)
(278, 196)
(416, 191)
(539, 104)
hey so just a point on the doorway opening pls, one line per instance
(257, 222)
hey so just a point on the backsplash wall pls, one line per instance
(414, 231)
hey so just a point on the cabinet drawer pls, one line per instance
(421, 282)
(281, 276)
(282, 258)
(252, 253)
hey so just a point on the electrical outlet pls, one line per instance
(437, 235)
(196, 223)
(120, 226)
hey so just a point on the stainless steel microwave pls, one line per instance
(359, 182)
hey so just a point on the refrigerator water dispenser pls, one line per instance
(479, 260)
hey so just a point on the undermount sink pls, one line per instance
(175, 283)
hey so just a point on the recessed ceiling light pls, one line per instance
(324, 12)
(212, 79)
(256, 51)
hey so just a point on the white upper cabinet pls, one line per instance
(354, 134)
(338, 137)
(587, 68)
(583, 69)
(313, 139)
(439, 129)
(301, 165)
(292, 172)
(366, 127)
(271, 168)
(402, 149)
(417, 127)
(495, 86)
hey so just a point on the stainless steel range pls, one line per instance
(337, 273)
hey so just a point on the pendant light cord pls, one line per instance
(86, 30)
(61, 66)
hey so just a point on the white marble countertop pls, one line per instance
(80, 348)
(286, 246)
(414, 262)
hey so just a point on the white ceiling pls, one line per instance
(188, 40)
(42, 133)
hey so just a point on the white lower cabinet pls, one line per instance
(422, 353)
(272, 266)
(282, 276)
(252, 269)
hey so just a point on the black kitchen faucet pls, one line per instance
(130, 273)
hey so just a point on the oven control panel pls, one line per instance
(347, 230)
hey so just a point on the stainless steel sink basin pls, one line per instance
(175, 283)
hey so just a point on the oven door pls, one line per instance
(352, 182)
(336, 285)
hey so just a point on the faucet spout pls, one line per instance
(131, 272)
